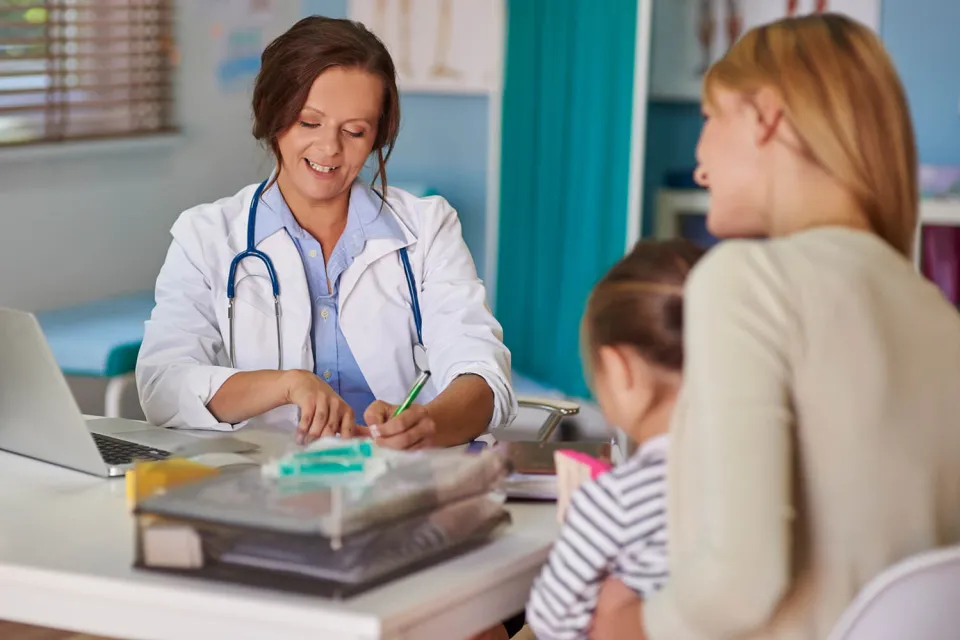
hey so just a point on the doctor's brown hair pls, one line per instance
(291, 63)
(844, 99)
(639, 303)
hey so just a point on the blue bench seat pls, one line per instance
(100, 339)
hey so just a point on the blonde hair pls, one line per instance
(846, 103)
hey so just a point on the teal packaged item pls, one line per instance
(298, 467)
(330, 458)
(339, 448)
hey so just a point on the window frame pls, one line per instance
(137, 41)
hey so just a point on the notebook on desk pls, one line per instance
(536, 458)
(534, 471)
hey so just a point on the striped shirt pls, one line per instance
(615, 525)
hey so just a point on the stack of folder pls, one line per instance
(333, 536)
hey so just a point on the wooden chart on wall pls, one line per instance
(689, 35)
(446, 46)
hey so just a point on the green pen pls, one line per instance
(414, 392)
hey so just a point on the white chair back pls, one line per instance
(915, 599)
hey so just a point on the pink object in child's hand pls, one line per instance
(573, 468)
(596, 467)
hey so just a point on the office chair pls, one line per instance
(915, 599)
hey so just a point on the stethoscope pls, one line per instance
(419, 351)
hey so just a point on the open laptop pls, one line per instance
(39, 416)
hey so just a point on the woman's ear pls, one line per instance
(768, 107)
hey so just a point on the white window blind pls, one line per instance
(85, 69)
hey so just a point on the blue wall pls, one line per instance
(922, 38)
(442, 144)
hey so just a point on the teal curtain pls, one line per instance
(567, 109)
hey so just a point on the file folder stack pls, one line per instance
(329, 536)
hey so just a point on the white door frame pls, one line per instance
(638, 124)
(494, 134)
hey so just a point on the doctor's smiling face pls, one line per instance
(324, 102)
(324, 150)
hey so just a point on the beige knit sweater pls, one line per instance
(817, 438)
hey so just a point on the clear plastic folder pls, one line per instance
(410, 483)
(331, 536)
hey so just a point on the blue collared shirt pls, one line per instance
(334, 362)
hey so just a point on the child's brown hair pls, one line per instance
(639, 303)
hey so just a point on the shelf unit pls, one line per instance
(940, 211)
(672, 204)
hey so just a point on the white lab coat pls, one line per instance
(184, 358)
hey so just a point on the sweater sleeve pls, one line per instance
(730, 568)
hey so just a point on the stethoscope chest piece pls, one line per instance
(420, 358)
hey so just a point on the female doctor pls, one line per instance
(309, 301)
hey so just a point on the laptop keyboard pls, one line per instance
(117, 452)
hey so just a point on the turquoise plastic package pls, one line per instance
(335, 447)
(329, 458)
(286, 468)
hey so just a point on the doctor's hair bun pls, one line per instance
(639, 303)
(291, 63)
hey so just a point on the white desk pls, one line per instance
(66, 548)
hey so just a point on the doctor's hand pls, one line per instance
(412, 429)
(322, 411)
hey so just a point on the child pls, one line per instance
(632, 339)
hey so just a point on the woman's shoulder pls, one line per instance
(804, 256)
(740, 266)
(220, 217)
(745, 284)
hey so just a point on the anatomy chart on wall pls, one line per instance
(689, 35)
(448, 46)
(236, 31)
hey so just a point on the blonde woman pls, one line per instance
(817, 437)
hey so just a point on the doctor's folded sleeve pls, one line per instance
(197, 386)
(200, 385)
(504, 403)
(457, 321)
(497, 377)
